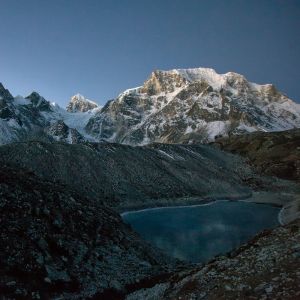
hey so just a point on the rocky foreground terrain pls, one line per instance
(61, 239)
(267, 267)
(56, 244)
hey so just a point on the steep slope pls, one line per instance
(193, 104)
(56, 244)
(271, 153)
(129, 177)
(134, 176)
(19, 115)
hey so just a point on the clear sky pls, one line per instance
(101, 47)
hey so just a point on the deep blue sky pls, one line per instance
(102, 47)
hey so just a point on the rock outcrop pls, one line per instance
(177, 106)
(35, 118)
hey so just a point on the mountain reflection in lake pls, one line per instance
(198, 233)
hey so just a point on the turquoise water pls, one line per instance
(198, 233)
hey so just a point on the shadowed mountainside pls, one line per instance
(57, 244)
(271, 153)
(133, 177)
(126, 176)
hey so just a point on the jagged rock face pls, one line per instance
(5, 94)
(6, 108)
(35, 118)
(177, 106)
(57, 244)
(20, 117)
(62, 133)
(193, 105)
(80, 104)
(39, 102)
(162, 82)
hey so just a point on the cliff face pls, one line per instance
(35, 118)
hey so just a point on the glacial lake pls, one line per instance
(198, 233)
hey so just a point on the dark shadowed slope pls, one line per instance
(271, 153)
(57, 244)
(125, 176)
(128, 177)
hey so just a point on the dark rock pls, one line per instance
(271, 153)
(65, 254)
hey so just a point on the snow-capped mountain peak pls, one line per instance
(176, 106)
(184, 105)
(79, 103)
(33, 117)
(202, 74)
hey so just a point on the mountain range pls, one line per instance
(177, 106)
(184, 137)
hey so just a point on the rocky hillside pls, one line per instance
(126, 176)
(56, 244)
(267, 267)
(273, 153)
(193, 104)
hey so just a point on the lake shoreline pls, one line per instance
(180, 201)
(289, 203)
(198, 233)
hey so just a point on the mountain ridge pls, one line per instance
(177, 106)
(172, 106)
